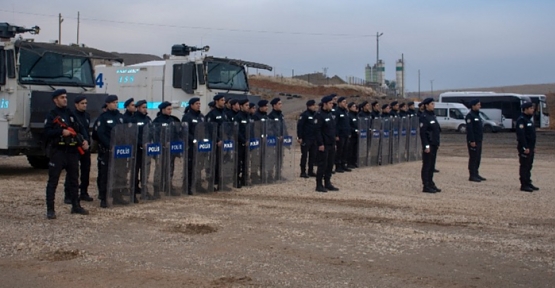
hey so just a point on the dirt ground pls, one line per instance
(379, 230)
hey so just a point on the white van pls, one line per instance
(451, 116)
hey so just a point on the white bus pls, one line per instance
(508, 103)
(541, 116)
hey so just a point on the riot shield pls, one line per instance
(271, 151)
(413, 139)
(362, 153)
(385, 143)
(286, 150)
(204, 157)
(374, 155)
(403, 139)
(228, 157)
(155, 139)
(418, 141)
(394, 140)
(177, 174)
(121, 168)
(254, 153)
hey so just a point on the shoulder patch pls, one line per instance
(521, 126)
(468, 121)
(421, 124)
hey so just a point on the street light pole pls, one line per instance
(432, 84)
(419, 84)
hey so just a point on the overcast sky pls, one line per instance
(457, 44)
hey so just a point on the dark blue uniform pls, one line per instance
(306, 132)
(242, 119)
(103, 129)
(343, 132)
(128, 117)
(429, 135)
(166, 120)
(276, 126)
(64, 155)
(325, 136)
(217, 117)
(352, 146)
(141, 120)
(526, 137)
(192, 118)
(84, 119)
(474, 134)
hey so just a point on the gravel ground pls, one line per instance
(378, 231)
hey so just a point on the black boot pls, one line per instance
(103, 203)
(50, 213)
(330, 187)
(320, 187)
(311, 173)
(77, 209)
(304, 175)
(85, 196)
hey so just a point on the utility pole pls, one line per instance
(77, 27)
(60, 20)
(403, 76)
(419, 84)
(432, 84)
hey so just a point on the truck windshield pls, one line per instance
(55, 69)
(226, 76)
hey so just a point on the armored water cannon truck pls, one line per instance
(29, 72)
(177, 79)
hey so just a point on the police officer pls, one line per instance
(352, 145)
(386, 111)
(526, 138)
(217, 116)
(429, 135)
(402, 110)
(141, 118)
(211, 105)
(421, 109)
(83, 119)
(343, 134)
(130, 109)
(306, 136)
(62, 131)
(474, 136)
(252, 109)
(279, 129)
(261, 113)
(376, 113)
(192, 117)
(365, 110)
(394, 109)
(325, 139)
(411, 111)
(103, 129)
(233, 109)
(242, 118)
(165, 118)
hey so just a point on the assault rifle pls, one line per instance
(59, 121)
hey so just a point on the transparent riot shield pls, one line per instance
(271, 151)
(177, 174)
(375, 140)
(362, 153)
(121, 168)
(385, 144)
(228, 156)
(286, 157)
(204, 154)
(155, 139)
(403, 139)
(413, 138)
(418, 141)
(254, 153)
(394, 140)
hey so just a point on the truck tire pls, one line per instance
(38, 162)
(461, 128)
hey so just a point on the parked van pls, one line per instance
(450, 116)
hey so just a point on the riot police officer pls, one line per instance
(526, 138)
(365, 110)
(343, 135)
(277, 125)
(376, 113)
(429, 135)
(217, 116)
(103, 128)
(261, 113)
(130, 110)
(306, 136)
(474, 136)
(386, 111)
(252, 109)
(234, 108)
(192, 117)
(242, 118)
(165, 118)
(402, 110)
(83, 119)
(325, 139)
(394, 109)
(411, 111)
(141, 118)
(352, 145)
(64, 137)
(421, 109)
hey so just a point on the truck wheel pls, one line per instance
(462, 128)
(488, 129)
(38, 162)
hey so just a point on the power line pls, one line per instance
(196, 27)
